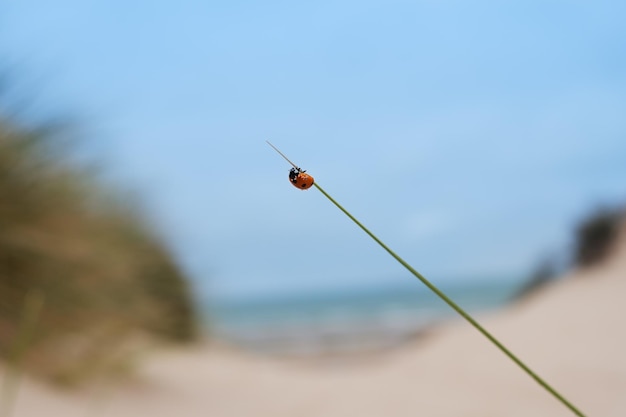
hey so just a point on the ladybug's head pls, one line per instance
(294, 172)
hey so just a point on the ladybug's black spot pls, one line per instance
(303, 186)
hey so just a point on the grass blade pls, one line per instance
(457, 308)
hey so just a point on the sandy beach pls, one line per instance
(572, 334)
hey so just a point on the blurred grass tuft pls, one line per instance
(111, 286)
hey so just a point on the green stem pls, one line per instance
(458, 309)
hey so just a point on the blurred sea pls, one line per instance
(347, 321)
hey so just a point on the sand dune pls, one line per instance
(572, 334)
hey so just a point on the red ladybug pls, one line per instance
(300, 179)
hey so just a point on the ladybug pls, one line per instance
(300, 179)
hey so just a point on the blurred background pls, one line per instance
(138, 197)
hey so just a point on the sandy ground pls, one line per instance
(573, 334)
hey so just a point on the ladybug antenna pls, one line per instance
(283, 155)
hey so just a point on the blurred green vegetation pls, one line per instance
(110, 286)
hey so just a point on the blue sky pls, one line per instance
(470, 136)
